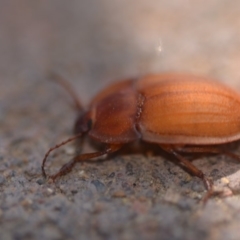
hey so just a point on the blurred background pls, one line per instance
(93, 43)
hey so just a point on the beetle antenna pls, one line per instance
(55, 147)
(66, 85)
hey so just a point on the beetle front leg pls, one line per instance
(66, 168)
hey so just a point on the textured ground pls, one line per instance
(132, 195)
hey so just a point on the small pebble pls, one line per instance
(225, 180)
(119, 194)
(26, 202)
(99, 185)
(40, 181)
(129, 169)
(2, 180)
(112, 175)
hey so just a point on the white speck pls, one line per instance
(159, 47)
(70, 150)
(50, 190)
(82, 172)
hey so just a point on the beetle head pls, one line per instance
(83, 123)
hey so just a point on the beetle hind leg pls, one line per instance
(186, 164)
(66, 168)
(193, 170)
(209, 150)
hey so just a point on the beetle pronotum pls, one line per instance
(180, 112)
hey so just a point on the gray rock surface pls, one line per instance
(133, 194)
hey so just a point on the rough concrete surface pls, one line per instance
(133, 194)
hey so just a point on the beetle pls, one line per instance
(182, 113)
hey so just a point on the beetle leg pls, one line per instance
(183, 162)
(207, 149)
(193, 149)
(55, 147)
(231, 155)
(66, 168)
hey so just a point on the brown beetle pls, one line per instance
(182, 113)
